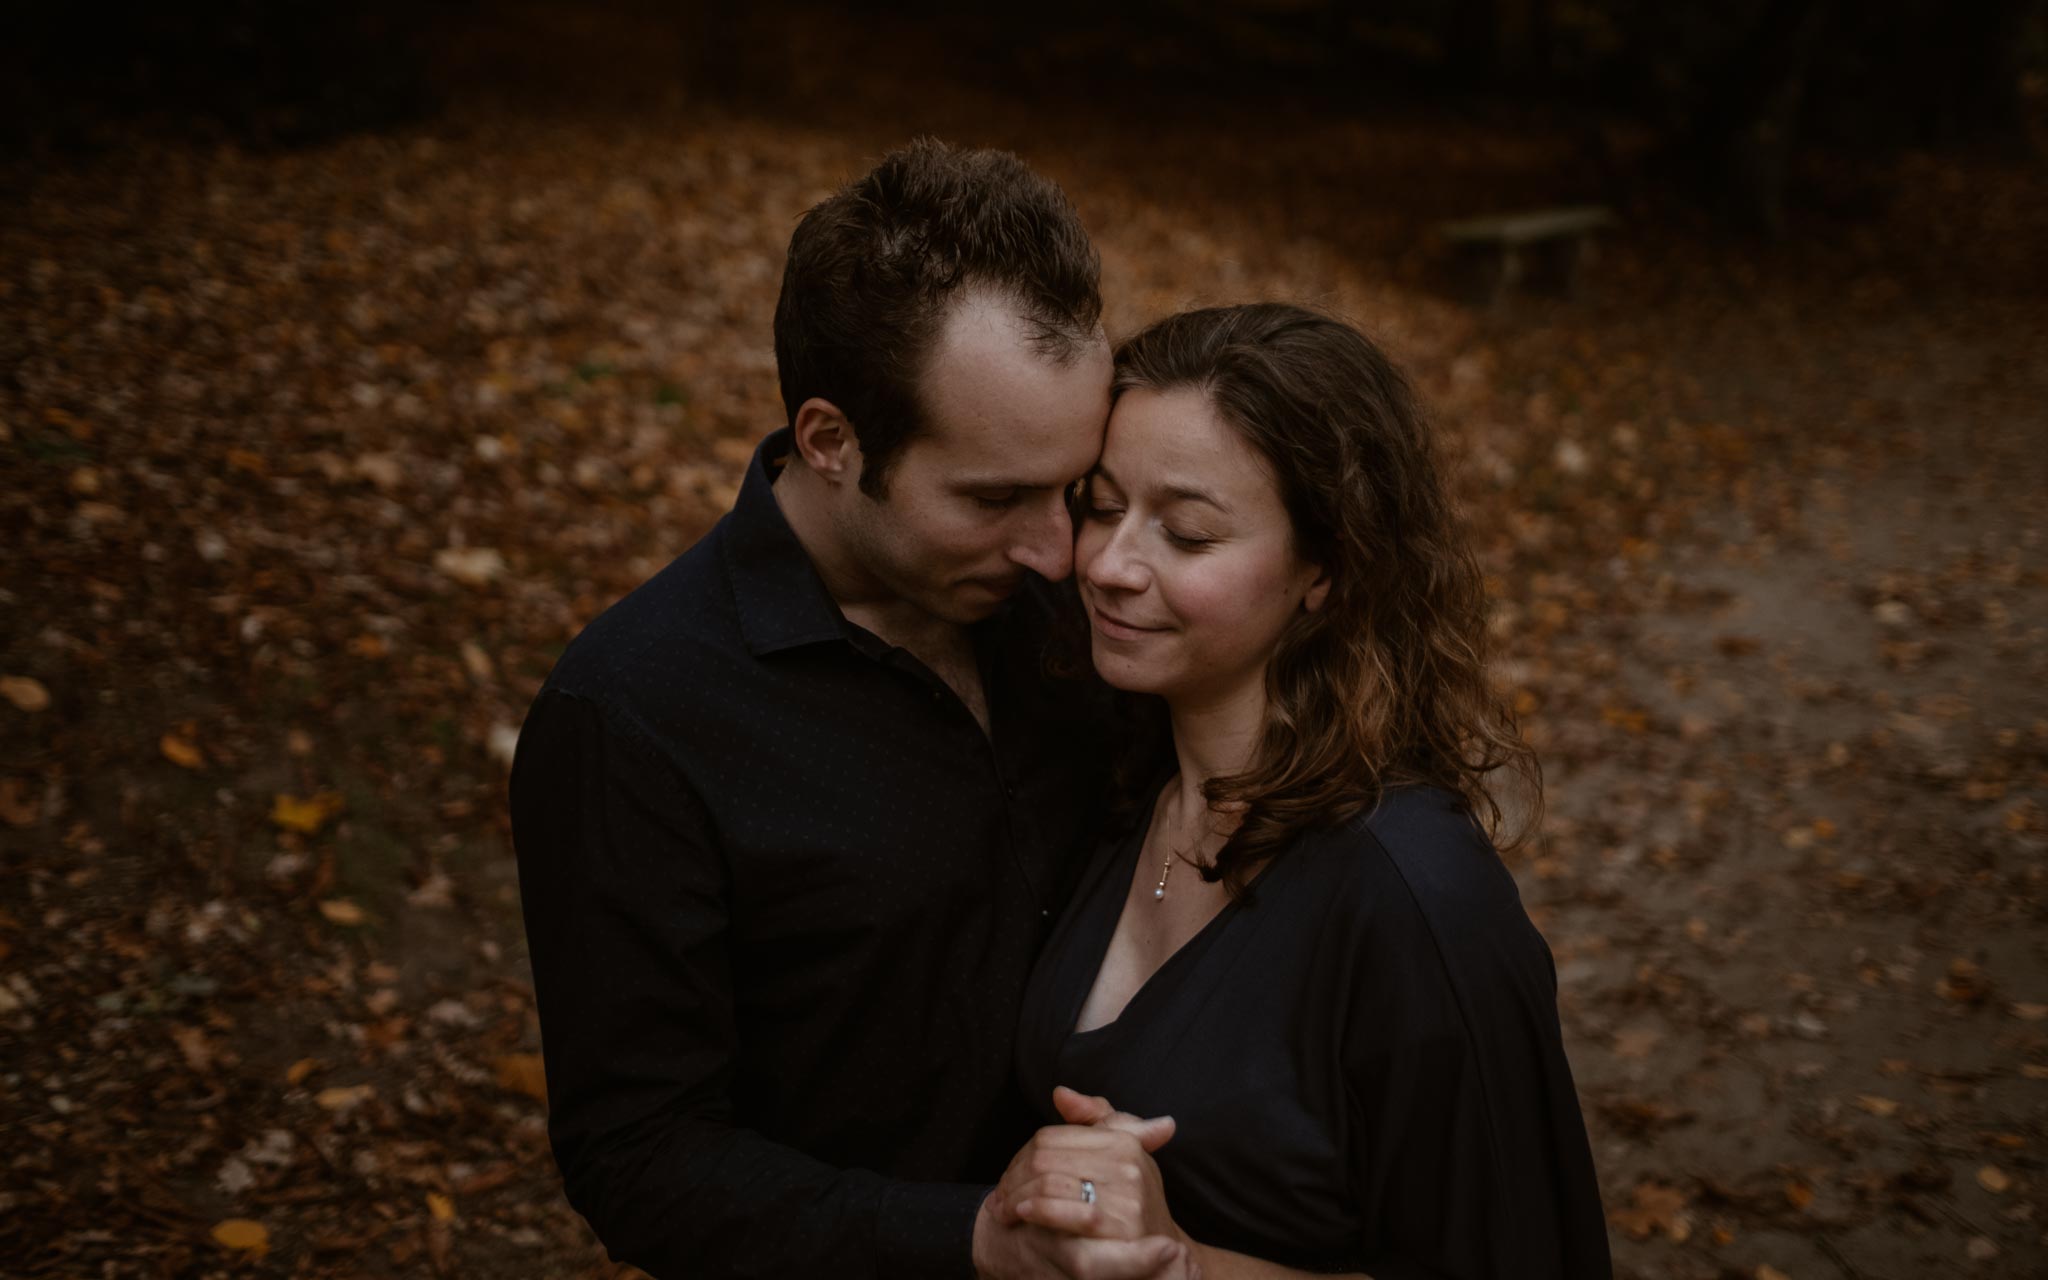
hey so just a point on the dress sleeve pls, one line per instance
(1469, 1152)
(625, 896)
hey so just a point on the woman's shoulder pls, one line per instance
(1415, 879)
(1420, 857)
(1429, 838)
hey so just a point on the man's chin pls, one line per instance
(977, 598)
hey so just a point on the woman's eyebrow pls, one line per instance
(1171, 492)
(1182, 493)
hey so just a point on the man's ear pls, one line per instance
(824, 439)
(1318, 591)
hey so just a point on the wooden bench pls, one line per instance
(1513, 238)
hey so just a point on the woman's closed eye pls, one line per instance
(1185, 539)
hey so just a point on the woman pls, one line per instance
(1304, 948)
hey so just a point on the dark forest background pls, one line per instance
(354, 357)
(1720, 96)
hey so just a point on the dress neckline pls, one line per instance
(1102, 933)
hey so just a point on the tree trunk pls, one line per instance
(1742, 139)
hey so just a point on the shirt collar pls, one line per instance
(781, 600)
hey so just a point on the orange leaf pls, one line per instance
(522, 1073)
(343, 1097)
(1636, 1042)
(193, 1044)
(1965, 982)
(1658, 1208)
(1626, 719)
(343, 912)
(305, 816)
(18, 806)
(26, 693)
(180, 752)
(244, 1235)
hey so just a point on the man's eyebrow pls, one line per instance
(1172, 492)
(1008, 482)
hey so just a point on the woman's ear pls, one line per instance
(1318, 591)
(824, 439)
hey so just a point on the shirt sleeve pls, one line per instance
(1469, 1151)
(625, 896)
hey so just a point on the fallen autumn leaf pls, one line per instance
(26, 693)
(243, 1235)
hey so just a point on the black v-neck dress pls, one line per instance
(1362, 1056)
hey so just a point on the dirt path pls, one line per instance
(316, 458)
(1798, 911)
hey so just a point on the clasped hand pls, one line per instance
(1040, 1221)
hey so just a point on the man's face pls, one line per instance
(979, 497)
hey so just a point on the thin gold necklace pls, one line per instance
(1166, 868)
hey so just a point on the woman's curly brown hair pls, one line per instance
(1386, 684)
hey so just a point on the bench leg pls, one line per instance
(1509, 275)
(1583, 252)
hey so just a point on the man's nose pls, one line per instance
(1046, 545)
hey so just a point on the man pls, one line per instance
(793, 817)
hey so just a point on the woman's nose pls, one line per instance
(1112, 566)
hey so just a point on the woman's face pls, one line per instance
(1185, 555)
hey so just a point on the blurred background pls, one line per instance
(353, 357)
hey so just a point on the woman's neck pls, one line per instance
(1213, 737)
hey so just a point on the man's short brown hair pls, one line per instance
(874, 268)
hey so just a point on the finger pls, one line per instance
(1076, 1107)
(1117, 1259)
(1086, 1135)
(1070, 1217)
(1051, 1186)
(1078, 1138)
(1002, 1208)
(1120, 1165)
(1152, 1133)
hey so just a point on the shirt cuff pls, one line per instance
(926, 1230)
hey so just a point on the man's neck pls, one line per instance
(862, 597)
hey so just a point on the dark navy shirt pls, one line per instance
(782, 896)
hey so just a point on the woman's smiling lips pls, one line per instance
(1117, 629)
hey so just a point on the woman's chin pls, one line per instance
(1121, 671)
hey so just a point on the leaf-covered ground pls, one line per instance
(316, 458)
